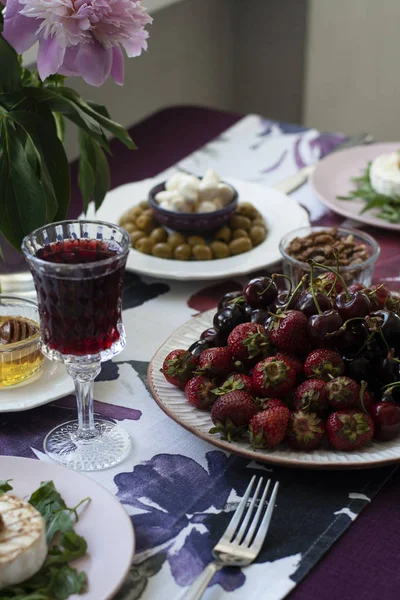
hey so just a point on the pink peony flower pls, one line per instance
(78, 37)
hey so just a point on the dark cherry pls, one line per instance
(229, 298)
(352, 338)
(386, 416)
(214, 337)
(307, 304)
(358, 368)
(259, 315)
(197, 347)
(282, 298)
(387, 370)
(226, 319)
(320, 325)
(389, 323)
(358, 305)
(260, 292)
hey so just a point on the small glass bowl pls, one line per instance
(21, 360)
(361, 272)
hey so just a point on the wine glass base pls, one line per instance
(111, 446)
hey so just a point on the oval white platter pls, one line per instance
(281, 214)
(173, 402)
(104, 523)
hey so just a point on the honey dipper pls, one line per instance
(15, 330)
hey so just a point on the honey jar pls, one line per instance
(20, 355)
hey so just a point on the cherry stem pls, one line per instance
(296, 289)
(333, 286)
(376, 290)
(312, 263)
(364, 385)
(338, 276)
(268, 286)
(384, 340)
(390, 386)
(343, 327)
(275, 275)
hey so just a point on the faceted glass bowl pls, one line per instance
(361, 272)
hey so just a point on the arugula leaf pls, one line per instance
(5, 486)
(72, 546)
(390, 207)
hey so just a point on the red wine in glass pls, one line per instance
(80, 315)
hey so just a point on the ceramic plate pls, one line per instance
(281, 213)
(173, 402)
(104, 523)
(332, 178)
(52, 383)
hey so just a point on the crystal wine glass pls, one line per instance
(78, 267)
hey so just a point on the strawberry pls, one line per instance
(267, 403)
(231, 414)
(268, 427)
(328, 283)
(235, 381)
(288, 331)
(305, 430)
(349, 429)
(323, 364)
(343, 392)
(178, 367)
(215, 362)
(310, 396)
(293, 360)
(247, 341)
(273, 377)
(199, 392)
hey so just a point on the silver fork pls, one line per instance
(243, 538)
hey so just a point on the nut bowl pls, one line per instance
(360, 271)
(20, 355)
(192, 222)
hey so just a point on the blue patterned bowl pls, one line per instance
(193, 222)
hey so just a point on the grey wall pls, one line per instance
(239, 55)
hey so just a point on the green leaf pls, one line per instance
(55, 174)
(23, 198)
(10, 72)
(103, 110)
(60, 125)
(72, 546)
(94, 172)
(58, 102)
(5, 486)
(115, 128)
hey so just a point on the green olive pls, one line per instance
(247, 210)
(148, 212)
(202, 252)
(158, 235)
(224, 234)
(219, 249)
(196, 240)
(183, 252)
(129, 226)
(175, 239)
(240, 222)
(145, 223)
(240, 245)
(162, 250)
(239, 233)
(257, 234)
(258, 221)
(143, 204)
(135, 236)
(144, 245)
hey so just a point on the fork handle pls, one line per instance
(200, 584)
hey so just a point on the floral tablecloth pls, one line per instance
(179, 490)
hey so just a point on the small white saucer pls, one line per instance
(53, 382)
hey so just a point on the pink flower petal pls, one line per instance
(50, 57)
(136, 43)
(117, 67)
(19, 31)
(90, 61)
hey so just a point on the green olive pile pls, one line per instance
(245, 230)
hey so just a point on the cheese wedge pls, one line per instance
(385, 174)
(23, 547)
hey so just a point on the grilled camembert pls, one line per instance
(23, 546)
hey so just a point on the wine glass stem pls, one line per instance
(84, 376)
